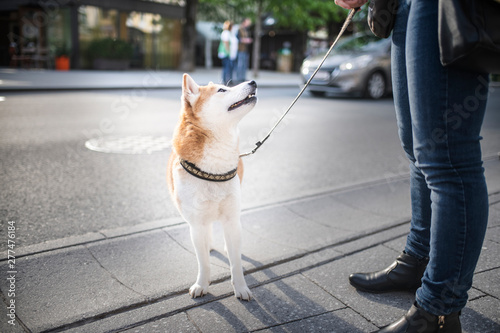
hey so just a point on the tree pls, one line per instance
(189, 37)
(299, 15)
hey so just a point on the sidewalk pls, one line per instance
(297, 256)
(29, 80)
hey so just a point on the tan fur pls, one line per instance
(190, 136)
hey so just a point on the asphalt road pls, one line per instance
(55, 187)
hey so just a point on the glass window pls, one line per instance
(59, 33)
(155, 39)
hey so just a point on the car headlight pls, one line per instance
(356, 63)
(305, 67)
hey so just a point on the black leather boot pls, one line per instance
(404, 274)
(417, 320)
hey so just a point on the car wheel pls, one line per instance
(317, 93)
(376, 86)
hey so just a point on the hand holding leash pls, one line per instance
(350, 4)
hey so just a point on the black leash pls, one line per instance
(344, 27)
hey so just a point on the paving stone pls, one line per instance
(329, 212)
(489, 257)
(492, 175)
(493, 233)
(150, 263)
(256, 251)
(282, 226)
(276, 303)
(8, 324)
(474, 293)
(293, 266)
(64, 286)
(380, 309)
(481, 316)
(494, 216)
(397, 244)
(340, 321)
(375, 239)
(488, 282)
(390, 200)
(145, 314)
(177, 323)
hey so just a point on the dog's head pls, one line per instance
(216, 105)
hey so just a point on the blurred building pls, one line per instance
(36, 32)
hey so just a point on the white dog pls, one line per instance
(205, 171)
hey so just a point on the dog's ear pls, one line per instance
(190, 90)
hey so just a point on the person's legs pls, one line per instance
(241, 68)
(406, 272)
(447, 110)
(440, 113)
(226, 70)
(417, 244)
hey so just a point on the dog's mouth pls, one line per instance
(249, 99)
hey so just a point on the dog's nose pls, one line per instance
(253, 83)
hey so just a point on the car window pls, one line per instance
(362, 43)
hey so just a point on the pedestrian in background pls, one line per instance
(440, 112)
(224, 52)
(243, 46)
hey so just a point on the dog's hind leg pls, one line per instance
(201, 238)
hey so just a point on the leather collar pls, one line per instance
(195, 171)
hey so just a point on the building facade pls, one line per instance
(37, 32)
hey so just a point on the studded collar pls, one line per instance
(195, 171)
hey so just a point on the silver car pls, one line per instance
(360, 64)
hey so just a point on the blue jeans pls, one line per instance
(227, 70)
(241, 66)
(440, 112)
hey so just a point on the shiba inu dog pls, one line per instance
(205, 172)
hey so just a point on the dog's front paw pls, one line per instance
(197, 290)
(243, 293)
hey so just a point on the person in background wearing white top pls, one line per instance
(228, 49)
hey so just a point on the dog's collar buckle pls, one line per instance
(197, 172)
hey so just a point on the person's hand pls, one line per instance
(349, 4)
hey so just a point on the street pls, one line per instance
(55, 187)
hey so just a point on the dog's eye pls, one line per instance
(221, 90)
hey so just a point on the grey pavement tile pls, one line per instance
(275, 303)
(488, 282)
(375, 239)
(490, 256)
(474, 293)
(283, 227)
(62, 287)
(329, 212)
(177, 323)
(256, 250)
(57, 244)
(492, 175)
(380, 309)
(293, 266)
(390, 199)
(146, 226)
(9, 326)
(481, 316)
(493, 234)
(494, 217)
(141, 315)
(150, 263)
(339, 321)
(397, 244)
